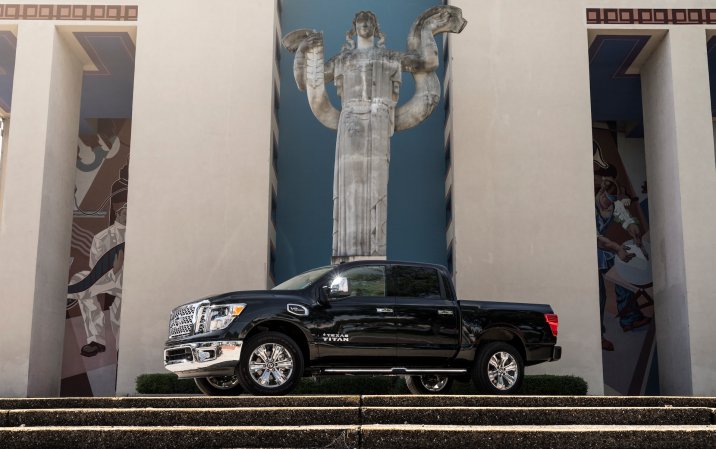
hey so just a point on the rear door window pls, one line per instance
(414, 282)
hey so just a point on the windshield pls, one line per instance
(303, 280)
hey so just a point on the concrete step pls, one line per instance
(283, 416)
(180, 437)
(535, 401)
(366, 436)
(544, 416)
(359, 421)
(189, 401)
(246, 416)
(525, 437)
(200, 401)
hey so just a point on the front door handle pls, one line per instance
(444, 312)
(384, 310)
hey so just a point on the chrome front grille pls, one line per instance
(181, 321)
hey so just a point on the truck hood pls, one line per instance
(253, 296)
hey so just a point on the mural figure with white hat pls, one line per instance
(106, 260)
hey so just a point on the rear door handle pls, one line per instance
(384, 310)
(444, 312)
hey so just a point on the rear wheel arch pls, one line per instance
(503, 334)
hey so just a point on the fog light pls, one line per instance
(204, 355)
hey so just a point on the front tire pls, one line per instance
(219, 386)
(271, 364)
(428, 384)
(499, 369)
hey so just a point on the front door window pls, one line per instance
(366, 281)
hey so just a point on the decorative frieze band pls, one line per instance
(638, 16)
(68, 12)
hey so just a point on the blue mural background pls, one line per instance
(306, 150)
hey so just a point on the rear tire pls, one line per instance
(428, 384)
(271, 364)
(219, 386)
(499, 369)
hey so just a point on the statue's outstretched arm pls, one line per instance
(421, 60)
(310, 73)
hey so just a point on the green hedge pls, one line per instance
(165, 383)
(545, 384)
(533, 385)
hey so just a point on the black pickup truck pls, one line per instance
(360, 318)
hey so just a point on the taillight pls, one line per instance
(553, 321)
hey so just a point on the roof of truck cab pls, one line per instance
(391, 262)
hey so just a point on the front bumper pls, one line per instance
(203, 359)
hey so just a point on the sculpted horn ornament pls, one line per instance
(367, 77)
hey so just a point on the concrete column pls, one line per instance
(523, 196)
(199, 176)
(36, 220)
(3, 156)
(682, 180)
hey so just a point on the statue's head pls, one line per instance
(365, 25)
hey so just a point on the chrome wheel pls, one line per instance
(434, 383)
(270, 365)
(223, 382)
(502, 370)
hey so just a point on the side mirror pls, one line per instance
(339, 288)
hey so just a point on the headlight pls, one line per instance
(219, 317)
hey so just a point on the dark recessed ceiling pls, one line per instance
(106, 92)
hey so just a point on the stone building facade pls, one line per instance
(529, 88)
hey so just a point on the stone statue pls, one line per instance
(367, 77)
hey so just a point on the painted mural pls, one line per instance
(94, 292)
(624, 263)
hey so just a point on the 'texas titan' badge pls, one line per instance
(335, 337)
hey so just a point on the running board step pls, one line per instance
(394, 371)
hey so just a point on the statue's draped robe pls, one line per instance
(367, 81)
